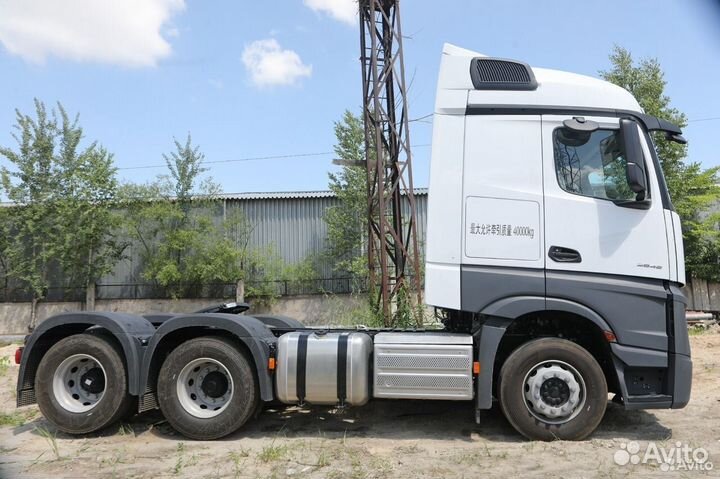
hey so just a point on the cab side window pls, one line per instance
(591, 163)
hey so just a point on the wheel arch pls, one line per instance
(126, 330)
(518, 320)
(251, 336)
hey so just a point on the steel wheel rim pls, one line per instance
(204, 387)
(79, 383)
(539, 398)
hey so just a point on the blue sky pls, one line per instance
(257, 79)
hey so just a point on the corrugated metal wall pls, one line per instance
(292, 222)
(293, 226)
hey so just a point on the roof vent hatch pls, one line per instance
(500, 74)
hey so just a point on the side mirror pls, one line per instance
(634, 171)
(636, 179)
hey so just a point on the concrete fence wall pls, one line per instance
(311, 309)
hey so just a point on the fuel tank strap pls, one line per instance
(342, 368)
(301, 367)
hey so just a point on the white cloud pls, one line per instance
(269, 65)
(122, 32)
(343, 10)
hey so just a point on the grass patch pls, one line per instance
(696, 330)
(4, 365)
(272, 453)
(410, 449)
(126, 430)
(180, 461)
(50, 439)
(16, 418)
(238, 458)
(323, 459)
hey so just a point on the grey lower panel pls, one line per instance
(490, 336)
(651, 355)
(682, 380)
(637, 357)
(481, 286)
(636, 368)
(681, 341)
(635, 308)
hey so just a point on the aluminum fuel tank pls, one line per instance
(329, 368)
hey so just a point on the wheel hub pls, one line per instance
(93, 381)
(204, 387)
(79, 383)
(554, 392)
(215, 384)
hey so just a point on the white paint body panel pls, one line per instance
(442, 285)
(555, 88)
(672, 248)
(679, 247)
(498, 228)
(502, 185)
(611, 239)
(442, 252)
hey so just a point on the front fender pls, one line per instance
(516, 306)
(501, 314)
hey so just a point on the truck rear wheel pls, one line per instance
(207, 388)
(81, 384)
(552, 389)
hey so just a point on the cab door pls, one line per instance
(592, 222)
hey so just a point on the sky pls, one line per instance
(253, 80)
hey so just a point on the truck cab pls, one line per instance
(549, 214)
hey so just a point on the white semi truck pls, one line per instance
(554, 258)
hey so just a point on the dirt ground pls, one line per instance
(384, 439)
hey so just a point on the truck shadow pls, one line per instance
(439, 420)
(386, 419)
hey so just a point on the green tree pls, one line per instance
(693, 190)
(347, 222)
(62, 219)
(187, 240)
(5, 242)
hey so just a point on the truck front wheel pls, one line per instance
(552, 389)
(207, 389)
(81, 384)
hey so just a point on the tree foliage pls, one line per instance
(185, 247)
(693, 190)
(347, 221)
(63, 219)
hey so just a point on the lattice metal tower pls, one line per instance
(393, 255)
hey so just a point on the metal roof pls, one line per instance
(281, 195)
(272, 195)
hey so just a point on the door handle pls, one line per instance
(561, 254)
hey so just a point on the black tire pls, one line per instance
(113, 404)
(551, 352)
(240, 406)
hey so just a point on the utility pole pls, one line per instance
(393, 256)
